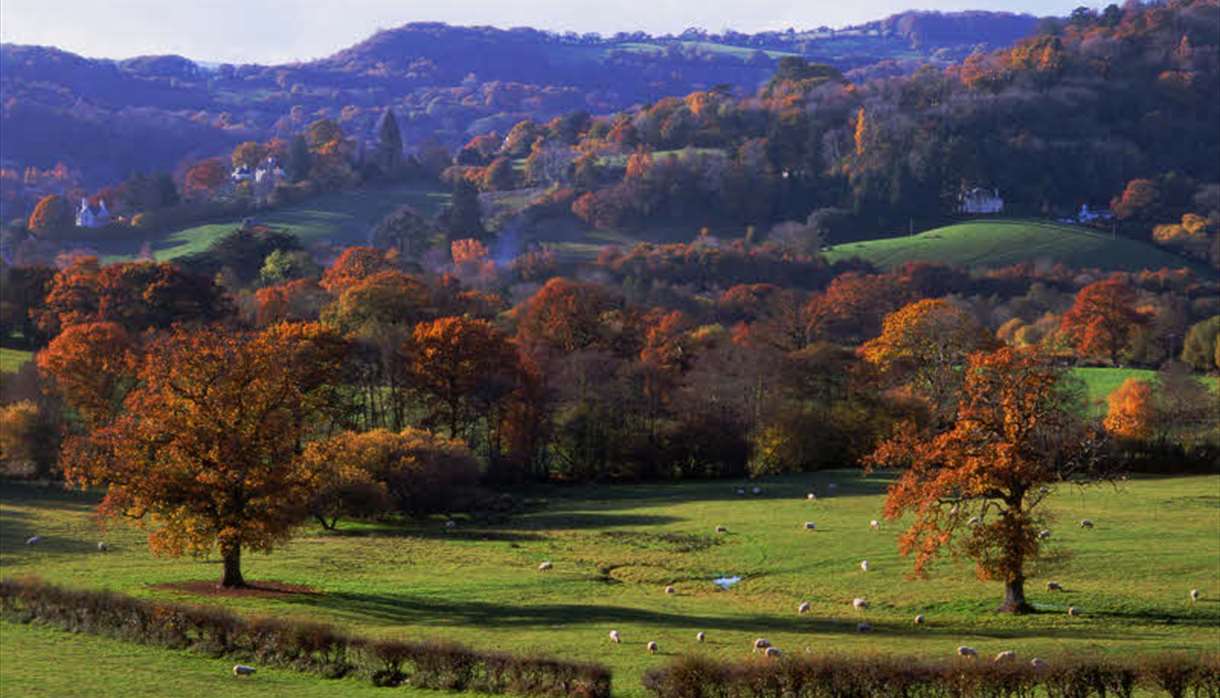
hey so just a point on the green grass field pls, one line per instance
(13, 359)
(1003, 242)
(1099, 382)
(614, 549)
(344, 217)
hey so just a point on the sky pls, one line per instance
(277, 31)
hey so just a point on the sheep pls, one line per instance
(811, 496)
(614, 637)
(919, 619)
(243, 670)
(810, 526)
(33, 540)
(864, 565)
(1038, 664)
(772, 652)
(1194, 595)
(1054, 586)
(741, 491)
(652, 647)
(761, 644)
(722, 529)
(670, 590)
(965, 651)
(1073, 611)
(1044, 534)
(1086, 523)
(804, 607)
(757, 490)
(450, 524)
(102, 547)
(859, 603)
(864, 628)
(874, 524)
(544, 566)
(700, 637)
(1006, 656)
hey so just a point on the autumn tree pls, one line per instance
(52, 216)
(92, 366)
(206, 177)
(975, 489)
(406, 231)
(206, 450)
(354, 264)
(1201, 350)
(384, 300)
(343, 482)
(564, 316)
(248, 154)
(1131, 411)
(1103, 319)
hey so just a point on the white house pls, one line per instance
(86, 217)
(1088, 215)
(980, 200)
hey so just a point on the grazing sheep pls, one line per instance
(652, 647)
(700, 637)
(450, 524)
(757, 490)
(722, 529)
(670, 590)
(1038, 664)
(33, 540)
(804, 607)
(242, 670)
(761, 644)
(1073, 611)
(864, 628)
(544, 566)
(810, 526)
(874, 524)
(864, 565)
(1054, 586)
(811, 496)
(1194, 595)
(1044, 534)
(772, 652)
(614, 637)
(1086, 523)
(919, 619)
(965, 651)
(859, 603)
(1006, 656)
(102, 547)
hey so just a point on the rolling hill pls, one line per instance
(996, 243)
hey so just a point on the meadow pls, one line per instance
(1002, 242)
(615, 548)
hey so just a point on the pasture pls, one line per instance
(616, 547)
(995, 243)
(13, 359)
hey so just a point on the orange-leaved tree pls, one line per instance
(206, 448)
(92, 366)
(1103, 319)
(1131, 410)
(976, 488)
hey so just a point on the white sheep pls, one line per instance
(810, 526)
(864, 565)
(722, 529)
(102, 547)
(670, 590)
(652, 647)
(1044, 534)
(761, 644)
(614, 637)
(1038, 664)
(919, 619)
(1006, 656)
(450, 524)
(1194, 595)
(859, 603)
(1073, 611)
(864, 628)
(700, 637)
(874, 524)
(1086, 523)
(544, 566)
(811, 496)
(33, 540)
(243, 670)
(772, 652)
(1054, 586)
(757, 490)
(804, 607)
(965, 651)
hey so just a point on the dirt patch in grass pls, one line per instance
(263, 589)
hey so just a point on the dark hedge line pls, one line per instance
(304, 646)
(1178, 676)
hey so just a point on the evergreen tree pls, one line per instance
(464, 217)
(389, 144)
(298, 158)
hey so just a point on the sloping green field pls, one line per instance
(995, 243)
(13, 359)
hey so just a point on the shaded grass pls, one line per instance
(11, 360)
(615, 548)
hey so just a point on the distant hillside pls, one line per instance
(1004, 242)
(108, 118)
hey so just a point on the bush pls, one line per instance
(848, 677)
(303, 646)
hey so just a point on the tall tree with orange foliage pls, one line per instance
(205, 178)
(1131, 410)
(1103, 319)
(976, 488)
(352, 265)
(52, 215)
(205, 451)
(92, 366)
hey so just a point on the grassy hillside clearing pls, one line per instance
(995, 243)
(13, 359)
(615, 548)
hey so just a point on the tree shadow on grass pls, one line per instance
(422, 533)
(16, 528)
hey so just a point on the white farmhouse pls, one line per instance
(88, 217)
(980, 200)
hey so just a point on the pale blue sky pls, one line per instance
(267, 31)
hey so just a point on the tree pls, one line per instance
(285, 265)
(383, 301)
(248, 154)
(52, 216)
(92, 366)
(563, 316)
(206, 450)
(464, 217)
(462, 367)
(299, 158)
(404, 230)
(205, 178)
(1103, 319)
(976, 488)
(1131, 411)
(352, 265)
(1202, 346)
(343, 483)
(389, 144)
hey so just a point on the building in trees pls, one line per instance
(980, 201)
(90, 217)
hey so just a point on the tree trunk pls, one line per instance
(232, 567)
(1014, 597)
